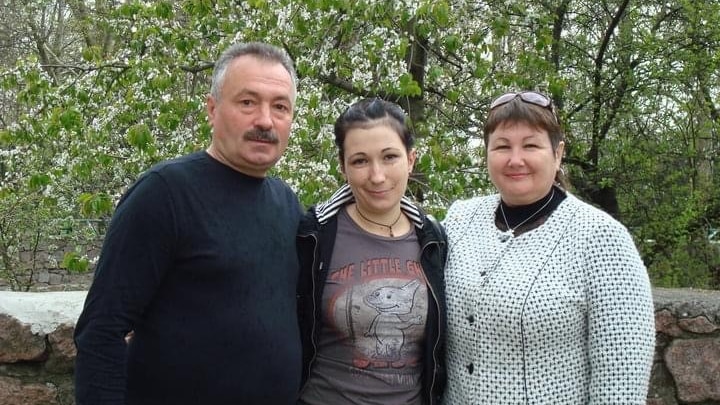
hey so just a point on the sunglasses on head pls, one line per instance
(531, 97)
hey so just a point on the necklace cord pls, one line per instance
(512, 230)
(389, 227)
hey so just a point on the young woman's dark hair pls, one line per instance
(371, 112)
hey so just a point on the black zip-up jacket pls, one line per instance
(315, 242)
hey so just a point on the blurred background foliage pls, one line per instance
(93, 92)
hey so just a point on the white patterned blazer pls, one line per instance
(561, 314)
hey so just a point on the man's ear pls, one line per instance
(210, 105)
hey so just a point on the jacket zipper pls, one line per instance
(312, 330)
(437, 340)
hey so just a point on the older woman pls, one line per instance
(548, 299)
(371, 298)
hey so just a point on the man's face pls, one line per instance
(252, 117)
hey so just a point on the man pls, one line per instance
(199, 261)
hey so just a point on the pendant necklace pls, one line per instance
(389, 227)
(512, 230)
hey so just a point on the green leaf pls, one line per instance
(435, 73)
(71, 119)
(92, 53)
(168, 121)
(163, 10)
(452, 43)
(140, 137)
(93, 205)
(74, 262)
(441, 12)
(259, 4)
(408, 86)
(5, 137)
(38, 181)
(161, 83)
(129, 9)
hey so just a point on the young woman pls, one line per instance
(371, 300)
(548, 299)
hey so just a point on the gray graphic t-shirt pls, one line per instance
(374, 312)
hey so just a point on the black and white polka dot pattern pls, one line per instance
(561, 314)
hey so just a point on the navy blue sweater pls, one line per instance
(200, 261)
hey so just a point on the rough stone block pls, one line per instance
(656, 401)
(55, 279)
(662, 387)
(43, 276)
(18, 342)
(665, 322)
(695, 366)
(698, 324)
(62, 350)
(14, 392)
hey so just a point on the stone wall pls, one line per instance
(687, 348)
(36, 347)
(49, 276)
(37, 353)
(54, 279)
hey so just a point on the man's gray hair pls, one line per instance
(259, 50)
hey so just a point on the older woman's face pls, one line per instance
(521, 162)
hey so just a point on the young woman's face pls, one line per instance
(377, 167)
(522, 163)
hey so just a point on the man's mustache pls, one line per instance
(260, 135)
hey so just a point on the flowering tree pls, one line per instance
(101, 90)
